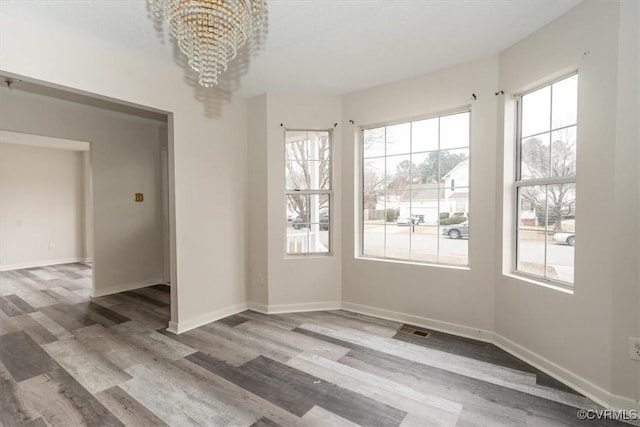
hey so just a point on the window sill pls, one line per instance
(308, 256)
(567, 289)
(421, 264)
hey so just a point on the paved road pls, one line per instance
(424, 242)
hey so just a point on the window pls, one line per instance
(308, 192)
(546, 181)
(415, 190)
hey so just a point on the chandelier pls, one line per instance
(210, 32)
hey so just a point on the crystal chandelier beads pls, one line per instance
(210, 32)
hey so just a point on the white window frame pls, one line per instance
(360, 203)
(520, 183)
(317, 192)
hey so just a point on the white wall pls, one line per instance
(124, 160)
(207, 155)
(41, 203)
(584, 332)
(300, 282)
(451, 295)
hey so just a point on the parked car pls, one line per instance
(324, 222)
(298, 223)
(456, 231)
(405, 221)
(566, 237)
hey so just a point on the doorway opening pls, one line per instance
(123, 154)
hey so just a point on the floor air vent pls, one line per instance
(414, 330)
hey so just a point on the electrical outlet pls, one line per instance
(634, 348)
(52, 247)
(260, 279)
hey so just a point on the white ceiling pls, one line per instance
(330, 46)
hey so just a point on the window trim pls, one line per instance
(309, 192)
(359, 248)
(519, 183)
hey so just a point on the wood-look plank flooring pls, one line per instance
(70, 360)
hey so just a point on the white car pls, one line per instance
(566, 237)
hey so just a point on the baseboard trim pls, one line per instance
(425, 322)
(260, 308)
(581, 385)
(124, 287)
(295, 308)
(182, 326)
(41, 263)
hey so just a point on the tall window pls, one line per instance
(546, 181)
(308, 192)
(415, 195)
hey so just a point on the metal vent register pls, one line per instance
(414, 330)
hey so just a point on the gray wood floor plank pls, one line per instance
(23, 357)
(335, 319)
(64, 295)
(276, 350)
(235, 320)
(143, 315)
(300, 342)
(477, 396)
(298, 392)
(21, 304)
(34, 297)
(242, 397)
(320, 417)
(370, 319)
(266, 319)
(34, 329)
(67, 317)
(51, 326)
(154, 343)
(433, 410)
(127, 409)
(265, 422)
(6, 325)
(163, 298)
(112, 346)
(38, 422)
(13, 409)
(9, 308)
(101, 315)
(139, 299)
(480, 351)
(92, 370)
(64, 402)
(457, 364)
(206, 402)
(228, 351)
(195, 408)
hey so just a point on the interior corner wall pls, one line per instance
(626, 268)
(124, 160)
(434, 296)
(42, 209)
(301, 282)
(574, 332)
(257, 215)
(207, 150)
